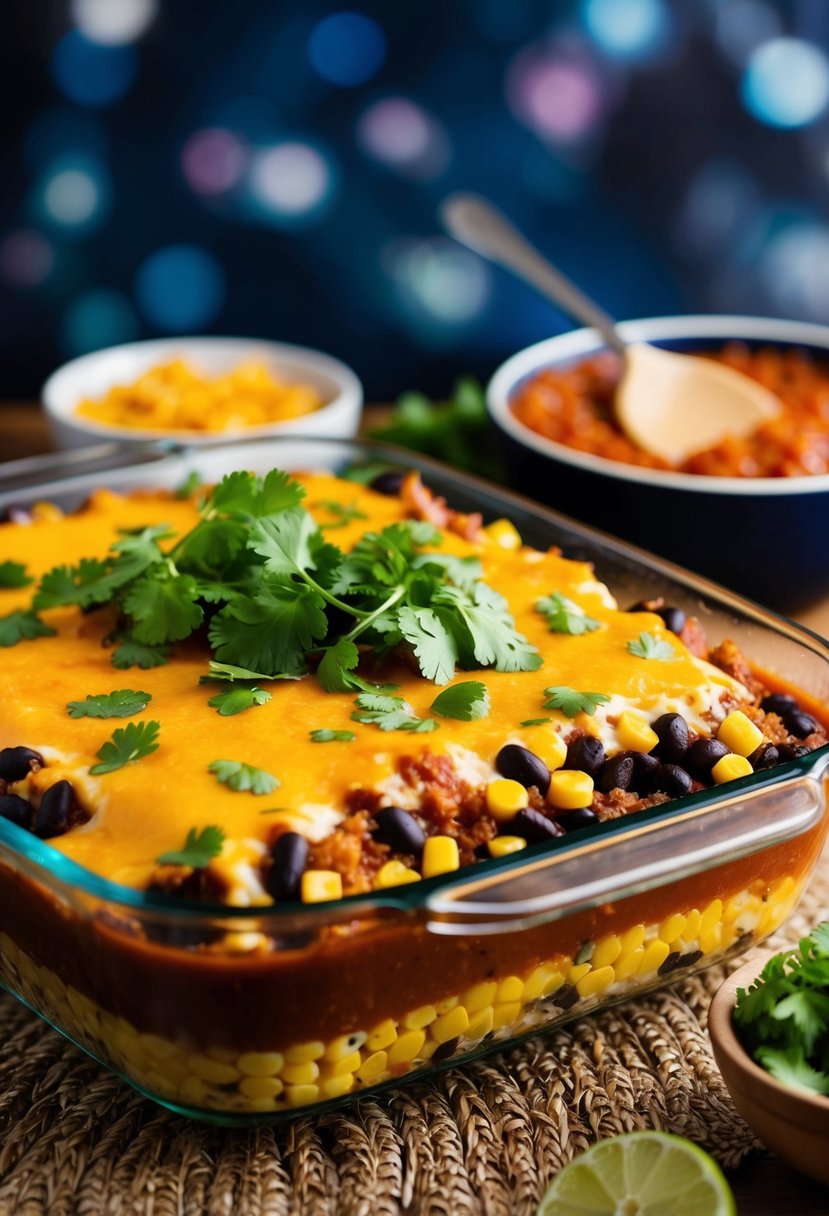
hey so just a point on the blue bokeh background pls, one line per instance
(274, 167)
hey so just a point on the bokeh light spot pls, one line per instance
(74, 194)
(347, 49)
(721, 201)
(97, 318)
(742, 25)
(447, 283)
(557, 95)
(113, 22)
(787, 83)
(290, 179)
(627, 29)
(403, 136)
(213, 160)
(793, 270)
(180, 288)
(26, 258)
(91, 74)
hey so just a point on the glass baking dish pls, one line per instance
(365, 992)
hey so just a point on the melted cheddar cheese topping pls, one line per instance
(146, 808)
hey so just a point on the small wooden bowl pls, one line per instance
(791, 1122)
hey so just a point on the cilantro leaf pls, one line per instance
(809, 1012)
(188, 487)
(243, 777)
(646, 646)
(13, 574)
(164, 608)
(790, 1066)
(565, 616)
(571, 702)
(236, 699)
(484, 629)
(467, 702)
(324, 735)
(333, 673)
(226, 671)
(200, 848)
(389, 713)
(535, 721)
(122, 703)
(251, 497)
(271, 631)
(343, 513)
(131, 653)
(284, 542)
(23, 626)
(128, 743)
(79, 585)
(434, 646)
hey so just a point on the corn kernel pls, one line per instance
(342, 1046)
(710, 939)
(501, 846)
(440, 856)
(383, 1035)
(654, 956)
(449, 1025)
(302, 1095)
(730, 767)
(672, 928)
(350, 1063)
(225, 1055)
(629, 962)
(321, 885)
(479, 996)
(505, 1014)
(692, 921)
(300, 1074)
(607, 951)
(407, 1047)
(505, 798)
(421, 1017)
(260, 1063)
(212, 1070)
(337, 1087)
(576, 972)
(633, 937)
(739, 733)
(447, 1003)
(597, 981)
(394, 874)
(303, 1053)
(543, 980)
(510, 989)
(480, 1023)
(193, 1090)
(261, 1087)
(373, 1067)
(634, 733)
(711, 916)
(570, 789)
(502, 532)
(548, 745)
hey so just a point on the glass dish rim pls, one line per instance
(65, 877)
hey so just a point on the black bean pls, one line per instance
(388, 482)
(289, 857)
(671, 779)
(674, 618)
(798, 722)
(16, 810)
(778, 703)
(399, 830)
(534, 826)
(582, 817)
(672, 730)
(585, 754)
(446, 1050)
(670, 964)
(566, 997)
(765, 756)
(52, 816)
(645, 768)
(523, 766)
(17, 762)
(703, 755)
(791, 751)
(617, 773)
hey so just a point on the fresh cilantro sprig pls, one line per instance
(563, 615)
(243, 778)
(13, 574)
(389, 713)
(342, 513)
(122, 703)
(783, 1017)
(466, 702)
(128, 744)
(646, 646)
(278, 600)
(237, 698)
(199, 849)
(325, 735)
(570, 702)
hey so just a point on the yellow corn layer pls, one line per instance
(740, 734)
(224, 1078)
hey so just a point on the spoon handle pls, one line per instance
(474, 222)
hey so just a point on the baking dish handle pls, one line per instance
(607, 868)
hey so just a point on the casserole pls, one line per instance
(354, 993)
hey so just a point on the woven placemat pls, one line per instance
(483, 1140)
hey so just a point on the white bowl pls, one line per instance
(93, 375)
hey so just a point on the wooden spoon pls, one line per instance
(669, 404)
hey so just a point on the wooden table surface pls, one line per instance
(763, 1186)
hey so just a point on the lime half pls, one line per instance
(640, 1174)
